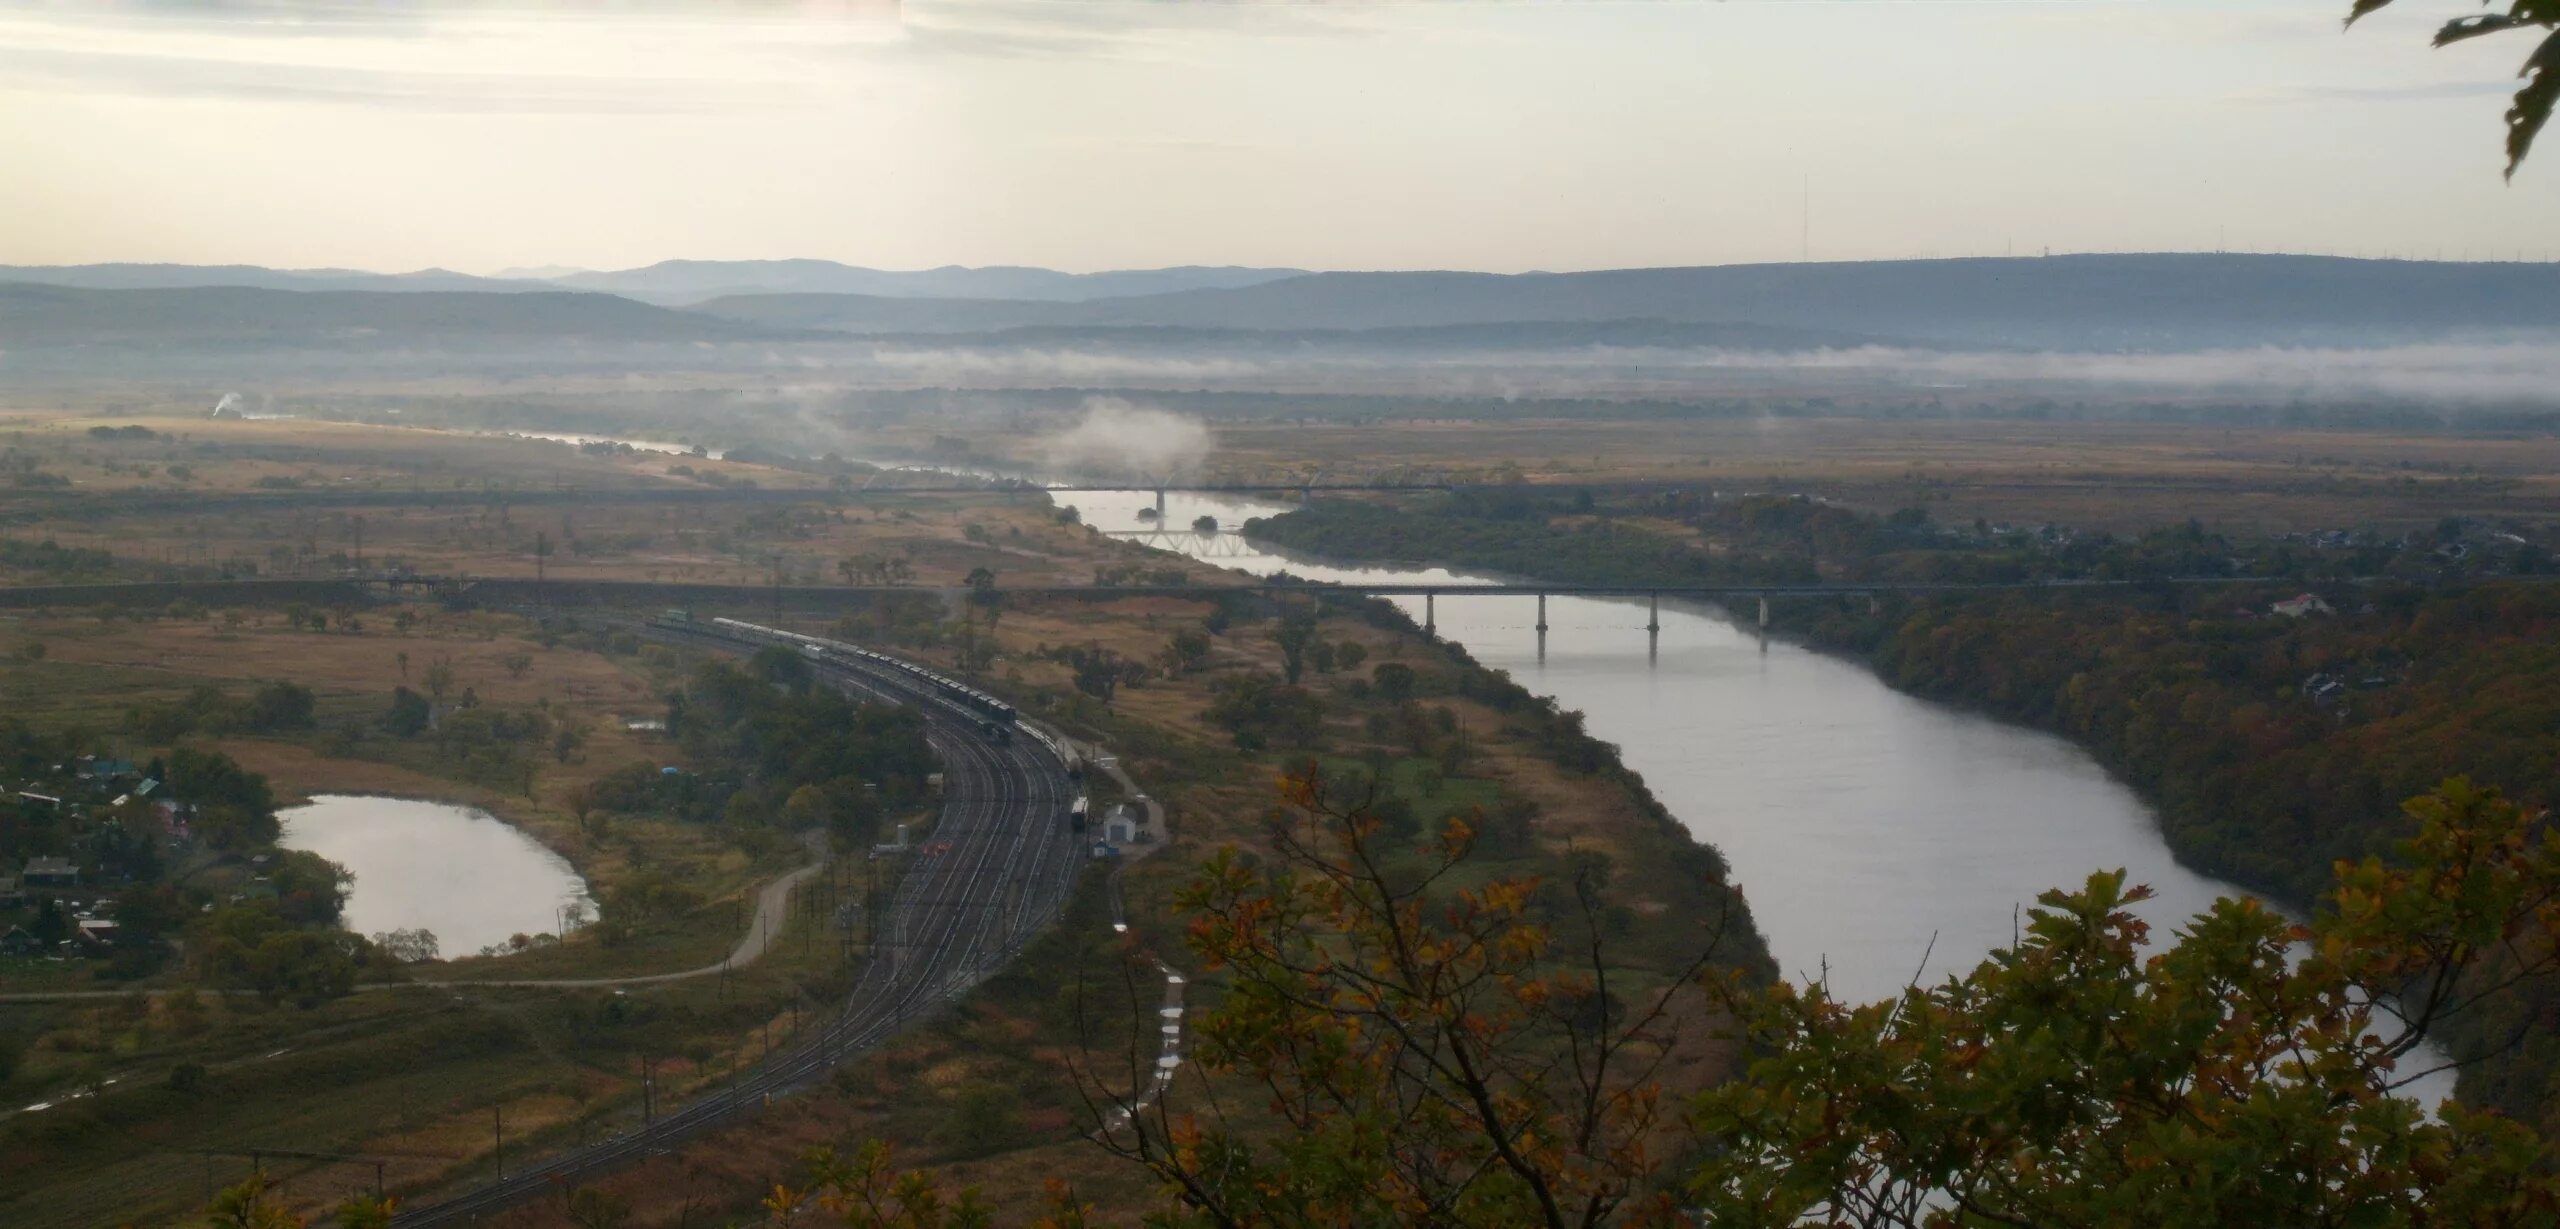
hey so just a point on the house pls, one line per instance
(2299, 605)
(51, 873)
(98, 932)
(105, 769)
(1120, 826)
(10, 892)
(2325, 690)
(17, 942)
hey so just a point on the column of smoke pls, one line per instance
(1118, 439)
(230, 401)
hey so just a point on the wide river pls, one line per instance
(1879, 838)
(1868, 829)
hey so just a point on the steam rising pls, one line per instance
(230, 401)
(1123, 439)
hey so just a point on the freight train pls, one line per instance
(995, 718)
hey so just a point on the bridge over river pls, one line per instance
(569, 593)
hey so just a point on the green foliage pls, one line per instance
(409, 714)
(2225, 1080)
(253, 947)
(2531, 108)
(760, 735)
(235, 808)
(277, 708)
(1433, 1058)
(1394, 680)
(1261, 711)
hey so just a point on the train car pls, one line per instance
(1076, 815)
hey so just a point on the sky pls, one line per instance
(1093, 134)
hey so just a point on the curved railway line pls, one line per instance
(1002, 867)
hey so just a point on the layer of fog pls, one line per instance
(2451, 372)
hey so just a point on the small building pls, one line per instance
(99, 932)
(17, 942)
(2325, 690)
(11, 893)
(1120, 826)
(2299, 605)
(50, 873)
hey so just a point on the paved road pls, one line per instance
(994, 871)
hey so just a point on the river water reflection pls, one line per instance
(1868, 828)
(454, 870)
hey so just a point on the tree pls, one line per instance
(408, 715)
(806, 808)
(1204, 523)
(517, 664)
(1349, 654)
(1394, 680)
(2532, 104)
(439, 678)
(1187, 650)
(248, 1206)
(407, 946)
(2079, 1080)
(1296, 631)
(1434, 1059)
(251, 1206)
(278, 707)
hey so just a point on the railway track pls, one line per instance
(1002, 870)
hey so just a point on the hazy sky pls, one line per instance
(1085, 134)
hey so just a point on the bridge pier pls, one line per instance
(1159, 506)
(1542, 627)
(1430, 614)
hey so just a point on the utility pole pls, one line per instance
(498, 1129)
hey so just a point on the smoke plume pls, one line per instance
(1119, 438)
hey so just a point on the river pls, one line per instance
(457, 871)
(1880, 838)
(1868, 829)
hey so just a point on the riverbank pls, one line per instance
(2041, 662)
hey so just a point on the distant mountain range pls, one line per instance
(680, 282)
(2063, 302)
(2116, 302)
(220, 316)
(178, 277)
(673, 283)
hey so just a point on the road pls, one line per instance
(1000, 868)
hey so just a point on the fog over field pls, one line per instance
(2093, 329)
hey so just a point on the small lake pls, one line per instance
(457, 871)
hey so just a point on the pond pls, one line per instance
(457, 871)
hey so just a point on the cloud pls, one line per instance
(2420, 92)
(167, 76)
